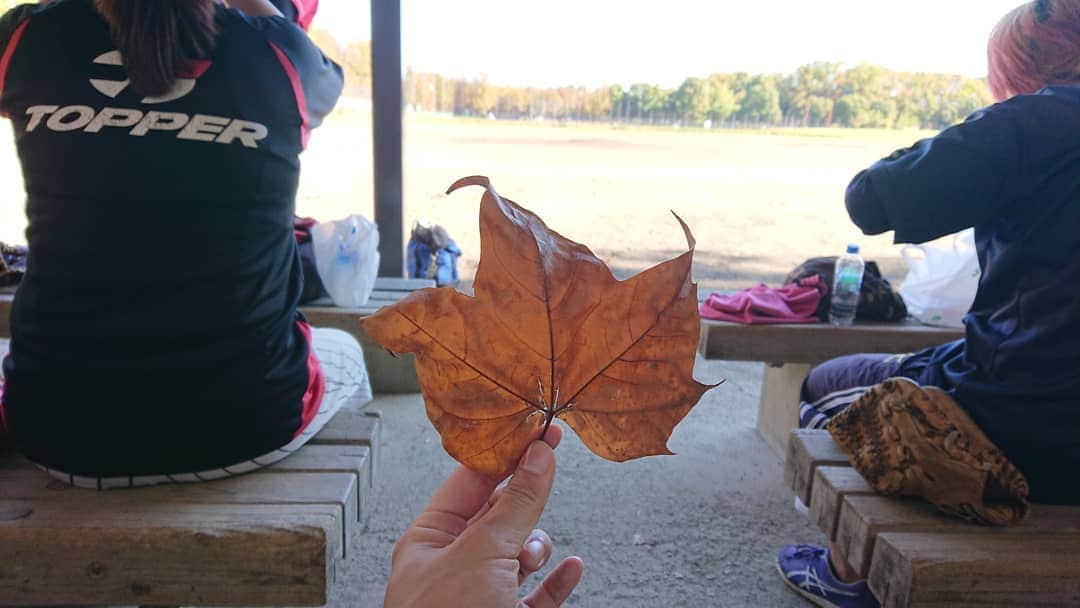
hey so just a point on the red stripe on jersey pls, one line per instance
(316, 389)
(305, 12)
(298, 92)
(193, 68)
(5, 59)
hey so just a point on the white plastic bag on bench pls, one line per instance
(347, 257)
(941, 283)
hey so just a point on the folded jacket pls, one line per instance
(794, 303)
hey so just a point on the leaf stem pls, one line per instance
(549, 416)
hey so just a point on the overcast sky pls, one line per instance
(593, 42)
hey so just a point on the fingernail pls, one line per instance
(535, 461)
(536, 548)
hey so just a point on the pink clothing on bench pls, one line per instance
(794, 303)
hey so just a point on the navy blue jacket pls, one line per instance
(156, 328)
(1012, 171)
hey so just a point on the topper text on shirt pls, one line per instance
(200, 127)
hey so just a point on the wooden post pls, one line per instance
(386, 118)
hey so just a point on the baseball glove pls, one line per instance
(907, 440)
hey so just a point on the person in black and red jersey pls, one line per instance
(155, 336)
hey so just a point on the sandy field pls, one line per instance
(758, 202)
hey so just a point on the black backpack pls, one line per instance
(877, 300)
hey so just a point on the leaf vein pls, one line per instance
(513, 277)
(493, 419)
(500, 439)
(663, 311)
(458, 357)
(667, 405)
(570, 286)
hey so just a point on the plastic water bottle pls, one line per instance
(846, 285)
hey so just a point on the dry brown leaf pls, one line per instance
(550, 333)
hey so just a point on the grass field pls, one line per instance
(759, 202)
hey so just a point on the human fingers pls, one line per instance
(553, 438)
(514, 516)
(557, 585)
(534, 554)
(487, 507)
(464, 494)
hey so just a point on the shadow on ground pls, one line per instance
(692, 530)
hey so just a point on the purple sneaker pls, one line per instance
(806, 570)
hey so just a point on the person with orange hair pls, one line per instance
(1011, 171)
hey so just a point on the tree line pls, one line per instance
(816, 94)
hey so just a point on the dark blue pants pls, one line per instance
(834, 385)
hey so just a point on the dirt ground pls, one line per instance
(758, 202)
(698, 529)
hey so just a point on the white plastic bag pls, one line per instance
(941, 283)
(347, 257)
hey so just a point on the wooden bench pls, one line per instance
(915, 556)
(276, 537)
(789, 351)
(388, 374)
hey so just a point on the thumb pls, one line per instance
(518, 510)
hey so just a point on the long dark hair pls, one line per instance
(155, 38)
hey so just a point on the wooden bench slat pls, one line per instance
(925, 570)
(808, 450)
(133, 513)
(262, 488)
(379, 295)
(402, 284)
(814, 343)
(831, 485)
(345, 319)
(353, 459)
(338, 489)
(864, 517)
(317, 458)
(54, 566)
(136, 514)
(169, 555)
(353, 427)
